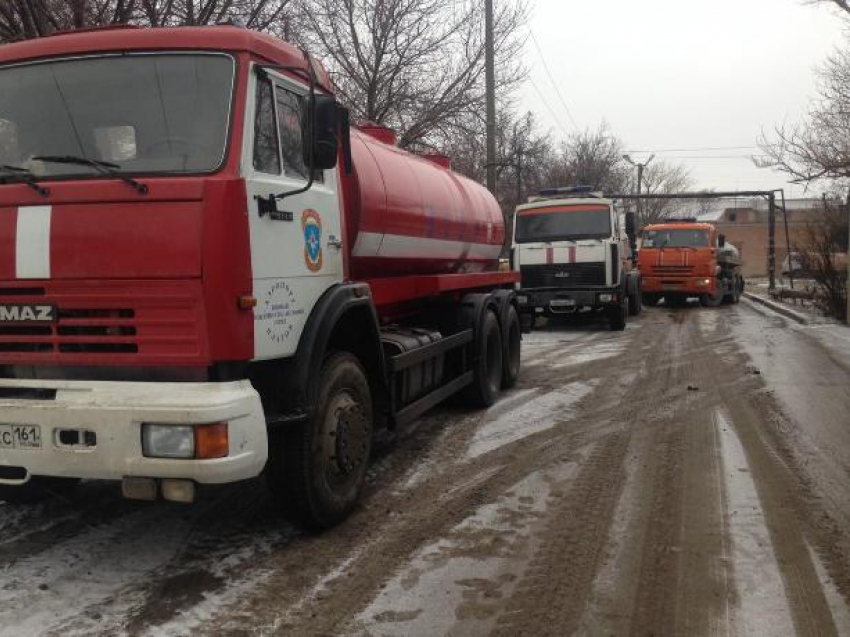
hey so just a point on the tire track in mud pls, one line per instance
(683, 585)
(572, 542)
(778, 486)
(402, 523)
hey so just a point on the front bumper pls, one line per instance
(692, 286)
(561, 301)
(114, 412)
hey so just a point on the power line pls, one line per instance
(552, 80)
(688, 150)
(549, 108)
(713, 156)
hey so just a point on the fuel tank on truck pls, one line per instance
(410, 214)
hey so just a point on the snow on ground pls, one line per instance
(37, 590)
(762, 600)
(835, 337)
(536, 415)
(226, 569)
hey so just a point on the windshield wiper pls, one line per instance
(25, 176)
(104, 167)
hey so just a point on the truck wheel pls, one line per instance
(618, 316)
(487, 380)
(512, 336)
(37, 489)
(712, 300)
(650, 299)
(736, 295)
(635, 304)
(317, 469)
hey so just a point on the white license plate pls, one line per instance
(563, 303)
(20, 436)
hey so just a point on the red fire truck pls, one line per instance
(207, 274)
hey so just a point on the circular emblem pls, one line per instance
(311, 225)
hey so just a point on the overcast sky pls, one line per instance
(679, 74)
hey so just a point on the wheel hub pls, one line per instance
(350, 443)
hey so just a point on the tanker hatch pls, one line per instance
(381, 133)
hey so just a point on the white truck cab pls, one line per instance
(574, 254)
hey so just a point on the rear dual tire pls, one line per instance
(487, 369)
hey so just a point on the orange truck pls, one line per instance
(682, 258)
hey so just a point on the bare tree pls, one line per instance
(662, 178)
(591, 158)
(414, 65)
(24, 19)
(820, 250)
(843, 5)
(819, 147)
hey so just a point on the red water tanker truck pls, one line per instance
(207, 274)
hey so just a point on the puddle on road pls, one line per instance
(455, 586)
(532, 417)
(762, 601)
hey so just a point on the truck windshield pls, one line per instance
(563, 223)
(675, 238)
(145, 113)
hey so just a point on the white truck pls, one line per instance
(573, 255)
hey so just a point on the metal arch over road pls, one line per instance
(770, 195)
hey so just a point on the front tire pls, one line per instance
(712, 300)
(317, 469)
(618, 316)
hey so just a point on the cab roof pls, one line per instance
(124, 38)
(566, 203)
(682, 225)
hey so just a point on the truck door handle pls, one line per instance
(333, 242)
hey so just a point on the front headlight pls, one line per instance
(703, 282)
(168, 441)
(606, 298)
(522, 300)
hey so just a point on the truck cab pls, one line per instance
(682, 258)
(207, 274)
(573, 253)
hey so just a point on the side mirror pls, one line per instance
(721, 240)
(320, 132)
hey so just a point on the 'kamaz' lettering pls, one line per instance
(27, 313)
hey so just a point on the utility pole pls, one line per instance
(771, 240)
(490, 80)
(640, 168)
(847, 257)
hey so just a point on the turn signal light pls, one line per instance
(211, 441)
(247, 302)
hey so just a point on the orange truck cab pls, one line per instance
(682, 258)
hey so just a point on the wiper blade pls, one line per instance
(26, 176)
(104, 167)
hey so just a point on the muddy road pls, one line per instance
(690, 476)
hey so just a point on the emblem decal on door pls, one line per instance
(311, 225)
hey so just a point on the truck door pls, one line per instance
(296, 252)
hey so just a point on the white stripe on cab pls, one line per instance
(32, 245)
